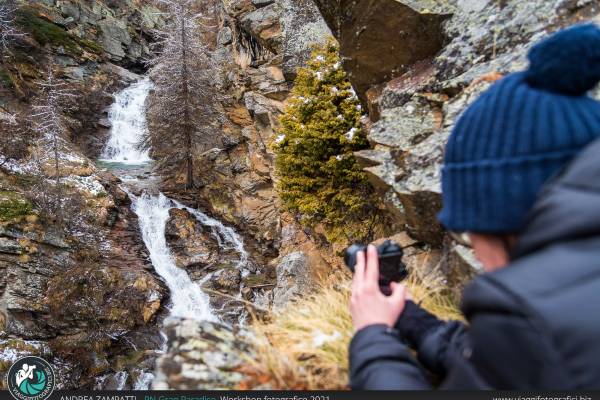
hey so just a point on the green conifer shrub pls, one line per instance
(318, 176)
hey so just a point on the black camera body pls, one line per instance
(391, 267)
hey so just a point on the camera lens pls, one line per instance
(350, 255)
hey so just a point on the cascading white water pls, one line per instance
(128, 119)
(226, 237)
(127, 116)
(188, 300)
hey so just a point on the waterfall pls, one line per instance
(123, 155)
(188, 300)
(128, 119)
(127, 116)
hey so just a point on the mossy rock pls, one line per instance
(45, 32)
(13, 205)
(129, 360)
(268, 278)
(5, 78)
(94, 47)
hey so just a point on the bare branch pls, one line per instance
(48, 122)
(8, 31)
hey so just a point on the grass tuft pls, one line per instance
(305, 347)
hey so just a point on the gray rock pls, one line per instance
(260, 108)
(377, 47)
(225, 36)
(201, 355)
(265, 26)
(303, 28)
(10, 246)
(406, 126)
(293, 279)
(511, 23)
(75, 73)
(114, 36)
(124, 74)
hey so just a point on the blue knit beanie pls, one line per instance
(520, 132)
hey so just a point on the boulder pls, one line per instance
(201, 355)
(303, 28)
(114, 36)
(264, 25)
(262, 109)
(380, 39)
(193, 246)
(293, 279)
(122, 73)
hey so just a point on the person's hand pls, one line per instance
(367, 304)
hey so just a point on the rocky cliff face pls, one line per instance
(261, 44)
(80, 289)
(118, 31)
(94, 46)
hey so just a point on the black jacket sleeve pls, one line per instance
(435, 341)
(380, 361)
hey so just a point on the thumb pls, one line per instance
(398, 293)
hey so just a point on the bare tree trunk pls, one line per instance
(58, 200)
(187, 112)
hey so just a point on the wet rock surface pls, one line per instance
(209, 261)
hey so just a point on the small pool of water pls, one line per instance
(123, 166)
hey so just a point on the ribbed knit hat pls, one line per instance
(520, 132)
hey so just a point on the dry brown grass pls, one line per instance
(306, 346)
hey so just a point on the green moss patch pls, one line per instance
(91, 45)
(5, 79)
(13, 205)
(45, 32)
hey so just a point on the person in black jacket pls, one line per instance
(522, 177)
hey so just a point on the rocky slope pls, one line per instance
(80, 289)
(87, 284)
(261, 43)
